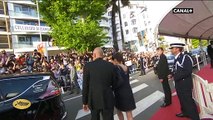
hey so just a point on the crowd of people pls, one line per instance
(67, 67)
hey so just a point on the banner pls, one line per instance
(30, 28)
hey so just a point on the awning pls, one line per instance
(198, 25)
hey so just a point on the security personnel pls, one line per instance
(183, 81)
(163, 71)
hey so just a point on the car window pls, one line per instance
(15, 86)
(170, 57)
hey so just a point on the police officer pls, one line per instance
(183, 81)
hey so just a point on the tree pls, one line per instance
(195, 43)
(116, 9)
(75, 23)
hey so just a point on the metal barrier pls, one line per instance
(203, 95)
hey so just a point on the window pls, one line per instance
(132, 14)
(126, 24)
(25, 40)
(127, 32)
(124, 15)
(13, 87)
(133, 22)
(135, 30)
(110, 13)
(145, 23)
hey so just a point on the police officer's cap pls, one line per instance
(176, 45)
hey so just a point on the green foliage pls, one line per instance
(75, 23)
(161, 38)
(195, 43)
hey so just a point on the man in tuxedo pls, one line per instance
(183, 81)
(99, 81)
(163, 72)
(210, 52)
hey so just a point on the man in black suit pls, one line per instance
(210, 52)
(183, 81)
(162, 69)
(99, 81)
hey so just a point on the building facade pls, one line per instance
(136, 26)
(23, 26)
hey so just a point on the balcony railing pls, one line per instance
(23, 14)
(22, 45)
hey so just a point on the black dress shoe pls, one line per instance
(165, 104)
(181, 115)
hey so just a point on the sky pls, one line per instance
(158, 9)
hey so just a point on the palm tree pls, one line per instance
(116, 9)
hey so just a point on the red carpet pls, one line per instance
(206, 73)
(169, 112)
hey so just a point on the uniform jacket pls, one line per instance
(183, 72)
(162, 67)
(99, 81)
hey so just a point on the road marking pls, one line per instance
(145, 103)
(72, 98)
(138, 88)
(81, 113)
(133, 81)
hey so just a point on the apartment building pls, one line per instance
(21, 26)
(136, 25)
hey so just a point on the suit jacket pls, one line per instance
(183, 72)
(99, 81)
(210, 51)
(163, 67)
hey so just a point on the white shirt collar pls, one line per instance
(177, 55)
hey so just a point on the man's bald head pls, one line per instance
(98, 53)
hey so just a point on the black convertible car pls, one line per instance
(30, 97)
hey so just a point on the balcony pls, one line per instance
(104, 24)
(22, 45)
(23, 15)
(30, 28)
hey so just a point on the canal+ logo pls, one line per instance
(182, 10)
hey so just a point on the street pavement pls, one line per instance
(148, 95)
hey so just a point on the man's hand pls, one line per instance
(85, 108)
(170, 77)
(161, 80)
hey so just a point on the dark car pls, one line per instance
(30, 97)
(170, 60)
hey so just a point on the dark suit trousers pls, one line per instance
(188, 106)
(167, 91)
(106, 114)
(211, 60)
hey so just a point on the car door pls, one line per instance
(1, 99)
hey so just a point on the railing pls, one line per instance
(23, 14)
(202, 58)
(203, 95)
(1, 11)
(22, 45)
